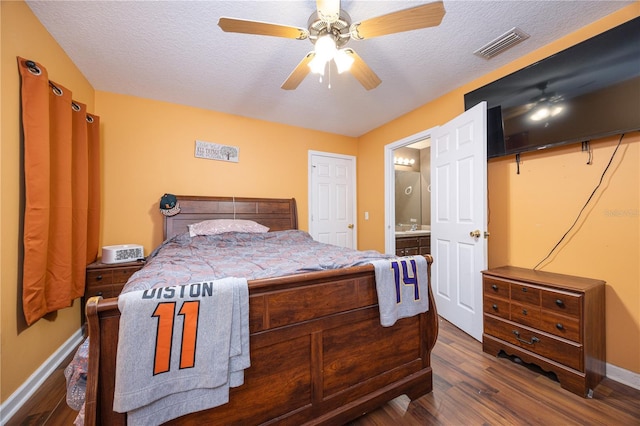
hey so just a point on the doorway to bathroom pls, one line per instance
(407, 196)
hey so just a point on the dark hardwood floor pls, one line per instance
(470, 388)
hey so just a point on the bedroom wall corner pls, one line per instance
(24, 350)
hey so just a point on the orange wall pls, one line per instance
(148, 149)
(531, 211)
(24, 350)
(148, 146)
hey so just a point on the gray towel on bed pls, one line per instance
(191, 383)
(402, 288)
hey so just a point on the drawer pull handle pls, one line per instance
(534, 339)
(495, 307)
(524, 289)
(559, 326)
(524, 312)
(495, 287)
(559, 302)
(99, 277)
(99, 294)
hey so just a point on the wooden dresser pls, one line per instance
(552, 320)
(106, 280)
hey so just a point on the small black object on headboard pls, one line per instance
(169, 205)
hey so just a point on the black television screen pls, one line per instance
(587, 91)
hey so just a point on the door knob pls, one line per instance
(475, 234)
(350, 226)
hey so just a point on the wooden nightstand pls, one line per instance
(106, 280)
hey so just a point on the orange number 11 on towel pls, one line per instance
(165, 312)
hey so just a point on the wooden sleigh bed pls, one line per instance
(318, 352)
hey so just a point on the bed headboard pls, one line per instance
(277, 214)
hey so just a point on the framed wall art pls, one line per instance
(214, 151)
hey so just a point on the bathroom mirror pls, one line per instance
(412, 186)
(408, 198)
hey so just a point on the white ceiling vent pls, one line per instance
(502, 43)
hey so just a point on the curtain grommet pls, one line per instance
(55, 89)
(32, 67)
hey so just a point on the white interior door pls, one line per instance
(459, 218)
(332, 198)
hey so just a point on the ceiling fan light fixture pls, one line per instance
(325, 48)
(545, 111)
(540, 113)
(317, 65)
(343, 61)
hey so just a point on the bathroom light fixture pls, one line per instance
(404, 161)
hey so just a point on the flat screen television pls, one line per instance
(588, 91)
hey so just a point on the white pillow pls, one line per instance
(219, 226)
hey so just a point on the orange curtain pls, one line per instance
(61, 170)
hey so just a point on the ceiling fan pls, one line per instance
(330, 28)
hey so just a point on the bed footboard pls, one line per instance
(318, 353)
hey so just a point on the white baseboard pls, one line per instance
(623, 376)
(33, 383)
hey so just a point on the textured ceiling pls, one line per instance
(174, 51)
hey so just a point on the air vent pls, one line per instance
(502, 43)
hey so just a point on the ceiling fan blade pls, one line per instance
(328, 10)
(299, 73)
(362, 72)
(427, 15)
(233, 25)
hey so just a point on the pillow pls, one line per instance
(220, 226)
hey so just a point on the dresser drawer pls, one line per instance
(104, 290)
(99, 277)
(407, 242)
(495, 287)
(121, 275)
(562, 326)
(525, 314)
(564, 352)
(562, 302)
(495, 306)
(525, 294)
